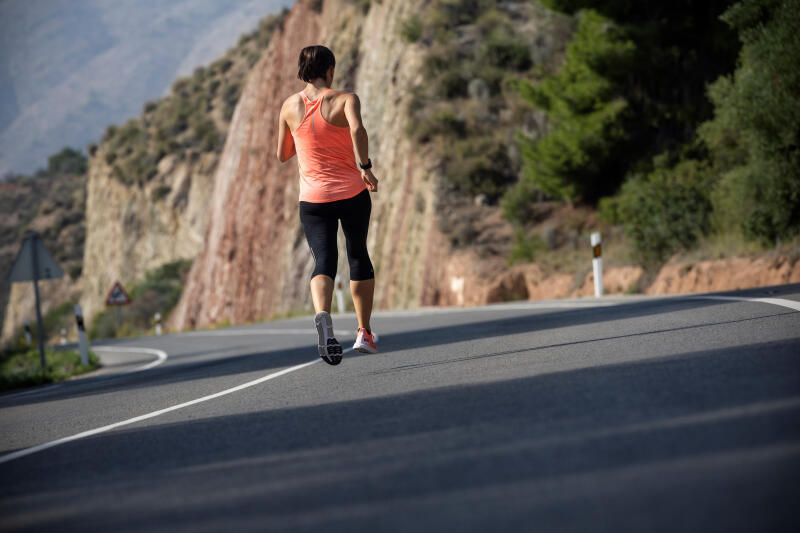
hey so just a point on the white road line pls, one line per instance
(238, 332)
(161, 355)
(38, 448)
(519, 306)
(791, 304)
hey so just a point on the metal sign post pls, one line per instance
(34, 263)
(39, 327)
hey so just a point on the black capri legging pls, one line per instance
(320, 223)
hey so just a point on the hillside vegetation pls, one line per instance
(192, 120)
(68, 69)
(53, 202)
(678, 120)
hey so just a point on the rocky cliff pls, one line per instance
(151, 179)
(225, 201)
(255, 263)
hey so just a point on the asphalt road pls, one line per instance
(637, 414)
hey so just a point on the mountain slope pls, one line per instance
(67, 69)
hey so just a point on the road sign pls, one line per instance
(23, 264)
(117, 295)
(33, 263)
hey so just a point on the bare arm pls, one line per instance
(286, 148)
(352, 111)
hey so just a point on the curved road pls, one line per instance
(623, 414)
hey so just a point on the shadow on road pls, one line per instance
(183, 369)
(708, 440)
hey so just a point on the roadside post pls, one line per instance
(118, 297)
(339, 295)
(63, 336)
(34, 263)
(27, 332)
(597, 263)
(83, 341)
(157, 320)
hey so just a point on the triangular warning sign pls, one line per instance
(117, 295)
(33, 251)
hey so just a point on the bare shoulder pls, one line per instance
(343, 96)
(351, 101)
(291, 102)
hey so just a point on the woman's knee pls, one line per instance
(360, 267)
(326, 266)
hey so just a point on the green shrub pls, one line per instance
(579, 159)
(443, 123)
(525, 247)
(452, 13)
(478, 165)
(67, 161)
(503, 49)
(411, 29)
(663, 211)
(23, 369)
(755, 133)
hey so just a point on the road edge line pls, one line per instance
(791, 304)
(47, 445)
(161, 355)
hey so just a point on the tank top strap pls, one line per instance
(313, 106)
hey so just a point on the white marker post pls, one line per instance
(63, 336)
(339, 295)
(28, 338)
(157, 320)
(83, 341)
(597, 263)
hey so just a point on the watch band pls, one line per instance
(367, 166)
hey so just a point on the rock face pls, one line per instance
(725, 275)
(256, 262)
(129, 232)
(235, 213)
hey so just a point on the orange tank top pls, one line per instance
(328, 170)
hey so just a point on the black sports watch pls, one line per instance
(367, 166)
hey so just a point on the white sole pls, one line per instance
(364, 348)
(330, 353)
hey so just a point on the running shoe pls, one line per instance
(329, 348)
(365, 342)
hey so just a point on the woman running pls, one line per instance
(323, 127)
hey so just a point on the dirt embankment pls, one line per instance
(527, 282)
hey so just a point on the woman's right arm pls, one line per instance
(286, 148)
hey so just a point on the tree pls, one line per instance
(579, 156)
(754, 137)
(67, 161)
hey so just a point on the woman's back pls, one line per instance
(328, 170)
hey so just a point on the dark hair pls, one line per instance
(314, 62)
